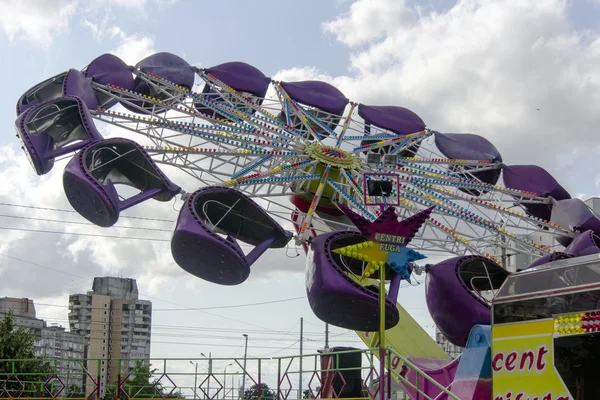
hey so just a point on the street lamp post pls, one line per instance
(195, 379)
(245, 357)
(225, 381)
(233, 384)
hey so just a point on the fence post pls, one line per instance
(417, 379)
(279, 379)
(389, 375)
(260, 389)
(100, 384)
(119, 380)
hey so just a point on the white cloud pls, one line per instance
(36, 20)
(132, 48)
(480, 67)
(302, 73)
(485, 68)
(140, 5)
(39, 20)
(72, 258)
(369, 20)
(129, 3)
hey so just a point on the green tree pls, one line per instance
(140, 384)
(265, 392)
(73, 391)
(307, 394)
(17, 359)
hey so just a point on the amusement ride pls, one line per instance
(366, 190)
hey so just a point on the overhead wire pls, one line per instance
(274, 332)
(270, 340)
(141, 294)
(193, 309)
(181, 309)
(84, 234)
(278, 351)
(107, 236)
(226, 338)
(287, 333)
(82, 223)
(75, 212)
(132, 238)
(151, 239)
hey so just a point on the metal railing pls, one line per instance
(444, 393)
(324, 375)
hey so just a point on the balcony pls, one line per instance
(140, 336)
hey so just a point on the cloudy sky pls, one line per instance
(524, 74)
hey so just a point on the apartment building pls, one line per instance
(65, 350)
(116, 324)
(24, 311)
(451, 349)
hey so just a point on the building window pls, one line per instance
(105, 305)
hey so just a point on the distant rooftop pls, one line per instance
(116, 288)
(22, 307)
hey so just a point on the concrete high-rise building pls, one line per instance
(594, 204)
(451, 349)
(117, 325)
(22, 307)
(65, 350)
(515, 260)
(24, 312)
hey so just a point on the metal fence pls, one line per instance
(311, 376)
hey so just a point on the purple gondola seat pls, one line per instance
(109, 69)
(337, 299)
(398, 121)
(548, 258)
(167, 66)
(90, 177)
(55, 128)
(534, 179)
(451, 293)
(584, 244)
(198, 247)
(70, 83)
(466, 146)
(322, 100)
(573, 215)
(245, 79)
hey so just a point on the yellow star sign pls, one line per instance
(368, 251)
